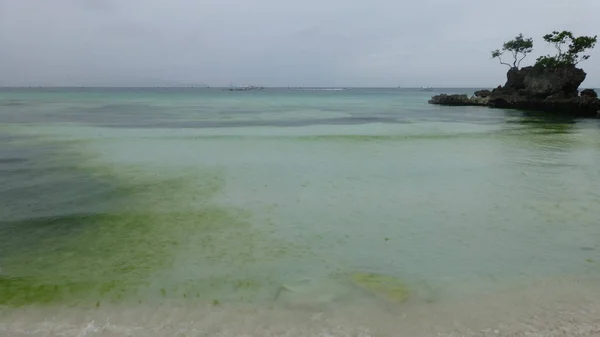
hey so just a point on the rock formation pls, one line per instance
(535, 88)
(590, 93)
(459, 99)
(482, 93)
(539, 82)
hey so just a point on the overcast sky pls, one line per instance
(277, 42)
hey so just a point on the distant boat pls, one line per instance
(324, 89)
(249, 88)
(426, 88)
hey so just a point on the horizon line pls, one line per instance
(225, 87)
(263, 87)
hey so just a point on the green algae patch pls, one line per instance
(97, 229)
(149, 228)
(386, 287)
(109, 259)
(111, 252)
(17, 291)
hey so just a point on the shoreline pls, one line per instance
(549, 307)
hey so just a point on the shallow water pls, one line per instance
(155, 212)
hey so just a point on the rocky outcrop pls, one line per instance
(483, 93)
(458, 100)
(540, 82)
(535, 88)
(515, 81)
(455, 99)
(589, 93)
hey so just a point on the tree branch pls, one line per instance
(577, 60)
(522, 58)
(515, 53)
(506, 64)
(557, 45)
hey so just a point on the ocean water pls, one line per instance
(289, 212)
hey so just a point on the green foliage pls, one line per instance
(570, 49)
(496, 53)
(519, 45)
(519, 48)
(549, 62)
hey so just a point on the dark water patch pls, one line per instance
(404, 138)
(539, 120)
(541, 125)
(13, 160)
(126, 114)
(131, 108)
(147, 116)
(548, 123)
(6, 138)
(257, 123)
(545, 131)
(15, 167)
(13, 102)
(33, 232)
(363, 120)
(351, 137)
(41, 191)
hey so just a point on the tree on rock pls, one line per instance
(519, 48)
(570, 49)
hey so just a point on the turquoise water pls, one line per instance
(253, 213)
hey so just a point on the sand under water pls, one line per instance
(293, 213)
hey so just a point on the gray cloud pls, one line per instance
(274, 42)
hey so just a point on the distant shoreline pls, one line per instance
(223, 87)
